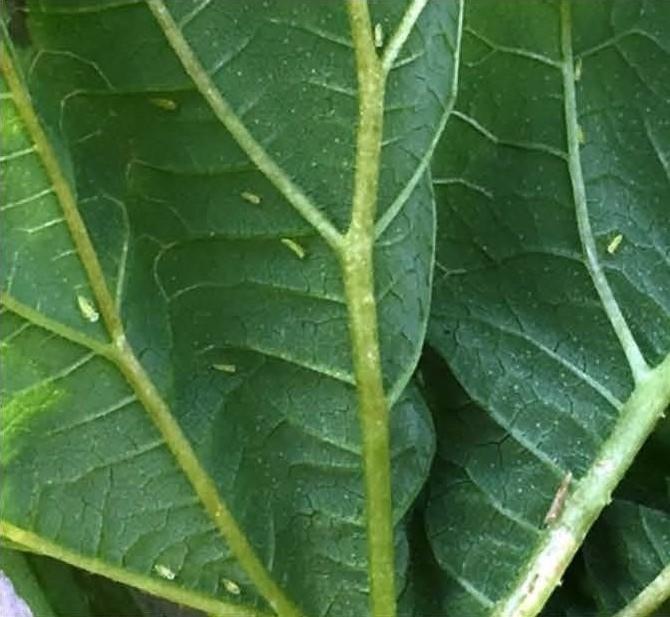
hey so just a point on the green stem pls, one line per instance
(638, 418)
(357, 265)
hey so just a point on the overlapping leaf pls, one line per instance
(516, 312)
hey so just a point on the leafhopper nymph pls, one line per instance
(87, 309)
(164, 572)
(614, 244)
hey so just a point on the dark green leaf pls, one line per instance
(228, 291)
(516, 312)
(625, 551)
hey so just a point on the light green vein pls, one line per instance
(400, 36)
(150, 584)
(630, 347)
(357, 269)
(123, 356)
(239, 131)
(396, 206)
(41, 320)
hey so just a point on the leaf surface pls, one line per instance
(552, 288)
(215, 231)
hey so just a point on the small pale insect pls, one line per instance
(614, 244)
(252, 198)
(166, 104)
(231, 587)
(379, 36)
(164, 572)
(87, 309)
(558, 502)
(225, 368)
(578, 69)
(581, 136)
(294, 247)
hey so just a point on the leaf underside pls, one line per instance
(515, 311)
(232, 302)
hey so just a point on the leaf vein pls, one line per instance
(293, 194)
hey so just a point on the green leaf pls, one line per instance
(626, 551)
(54, 589)
(25, 592)
(180, 378)
(552, 289)
(628, 546)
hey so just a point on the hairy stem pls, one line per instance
(639, 416)
(357, 264)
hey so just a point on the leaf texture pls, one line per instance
(552, 287)
(222, 270)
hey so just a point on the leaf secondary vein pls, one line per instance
(150, 584)
(65, 195)
(239, 131)
(638, 364)
(30, 314)
(641, 412)
(392, 211)
(402, 33)
(124, 358)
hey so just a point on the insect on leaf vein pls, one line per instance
(379, 36)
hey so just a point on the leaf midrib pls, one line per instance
(119, 351)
